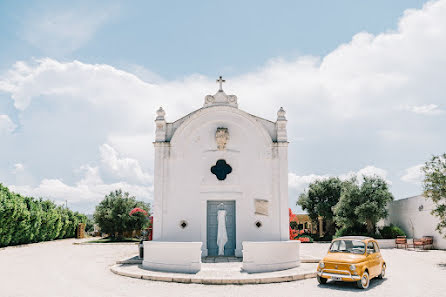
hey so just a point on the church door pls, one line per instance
(212, 226)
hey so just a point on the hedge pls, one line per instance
(392, 231)
(26, 219)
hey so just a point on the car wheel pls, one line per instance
(321, 280)
(363, 283)
(383, 272)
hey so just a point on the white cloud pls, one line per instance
(90, 188)
(338, 103)
(124, 168)
(366, 171)
(6, 124)
(413, 175)
(355, 78)
(427, 109)
(299, 183)
(18, 167)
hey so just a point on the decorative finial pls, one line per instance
(281, 114)
(160, 113)
(220, 80)
(220, 98)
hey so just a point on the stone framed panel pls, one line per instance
(261, 207)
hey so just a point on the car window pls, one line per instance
(347, 246)
(376, 247)
(370, 248)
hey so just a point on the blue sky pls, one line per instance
(177, 38)
(79, 84)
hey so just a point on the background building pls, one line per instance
(414, 216)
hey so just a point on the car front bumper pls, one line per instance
(342, 275)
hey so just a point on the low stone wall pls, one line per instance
(269, 256)
(172, 256)
(386, 243)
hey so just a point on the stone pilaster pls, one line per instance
(282, 159)
(160, 173)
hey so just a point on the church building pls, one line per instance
(221, 177)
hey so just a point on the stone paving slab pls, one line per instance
(218, 274)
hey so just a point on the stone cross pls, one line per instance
(220, 80)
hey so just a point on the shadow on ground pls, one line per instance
(351, 286)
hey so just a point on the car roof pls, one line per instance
(365, 238)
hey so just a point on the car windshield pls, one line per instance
(348, 246)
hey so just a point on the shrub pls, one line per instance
(357, 230)
(26, 219)
(304, 237)
(392, 231)
(326, 237)
(113, 214)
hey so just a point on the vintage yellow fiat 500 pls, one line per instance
(352, 259)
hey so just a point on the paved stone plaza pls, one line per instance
(60, 268)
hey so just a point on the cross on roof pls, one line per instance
(220, 80)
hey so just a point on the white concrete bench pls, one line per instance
(268, 256)
(172, 256)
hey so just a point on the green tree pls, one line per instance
(363, 204)
(26, 219)
(435, 187)
(112, 214)
(319, 199)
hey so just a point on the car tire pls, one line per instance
(364, 282)
(321, 280)
(383, 272)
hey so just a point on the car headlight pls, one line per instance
(352, 267)
(321, 264)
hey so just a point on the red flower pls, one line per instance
(137, 209)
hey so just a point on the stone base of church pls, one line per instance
(270, 256)
(184, 257)
(218, 274)
(237, 253)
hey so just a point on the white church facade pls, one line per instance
(220, 161)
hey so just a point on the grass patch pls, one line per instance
(113, 240)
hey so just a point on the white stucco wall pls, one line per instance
(270, 255)
(184, 183)
(407, 214)
(184, 257)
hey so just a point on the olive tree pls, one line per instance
(319, 199)
(112, 214)
(363, 203)
(435, 187)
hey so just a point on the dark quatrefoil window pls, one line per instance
(221, 169)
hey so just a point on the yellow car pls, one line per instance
(352, 259)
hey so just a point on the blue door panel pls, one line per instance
(212, 209)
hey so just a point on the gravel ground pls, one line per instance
(60, 268)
